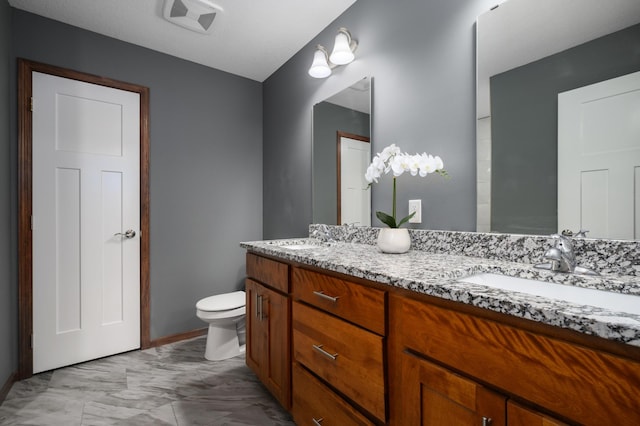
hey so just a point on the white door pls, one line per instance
(86, 192)
(599, 158)
(355, 198)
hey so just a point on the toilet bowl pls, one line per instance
(225, 314)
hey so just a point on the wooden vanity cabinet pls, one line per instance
(338, 332)
(472, 363)
(268, 310)
(339, 351)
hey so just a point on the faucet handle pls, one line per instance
(581, 234)
(563, 243)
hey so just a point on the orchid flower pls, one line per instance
(393, 159)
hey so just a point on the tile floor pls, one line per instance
(167, 385)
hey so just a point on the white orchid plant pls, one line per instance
(393, 159)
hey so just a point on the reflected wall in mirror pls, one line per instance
(528, 53)
(341, 135)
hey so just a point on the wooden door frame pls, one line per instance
(25, 208)
(339, 135)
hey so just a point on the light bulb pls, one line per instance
(320, 67)
(342, 53)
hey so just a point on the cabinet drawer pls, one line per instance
(356, 303)
(314, 401)
(521, 416)
(344, 355)
(267, 271)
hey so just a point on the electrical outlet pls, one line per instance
(415, 206)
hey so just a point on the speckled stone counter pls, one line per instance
(427, 269)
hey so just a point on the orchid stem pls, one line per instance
(394, 199)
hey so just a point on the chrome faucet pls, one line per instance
(562, 258)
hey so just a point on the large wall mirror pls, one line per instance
(341, 154)
(549, 96)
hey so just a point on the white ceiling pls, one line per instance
(522, 31)
(251, 38)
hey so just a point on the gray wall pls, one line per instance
(524, 159)
(8, 304)
(327, 120)
(422, 57)
(206, 161)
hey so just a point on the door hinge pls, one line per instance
(32, 104)
(32, 341)
(32, 222)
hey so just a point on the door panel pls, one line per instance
(81, 125)
(67, 191)
(355, 197)
(86, 193)
(112, 270)
(598, 154)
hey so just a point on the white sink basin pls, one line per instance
(582, 296)
(300, 246)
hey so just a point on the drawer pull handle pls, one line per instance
(325, 353)
(334, 299)
(258, 306)
(317, 422)
(486, 421)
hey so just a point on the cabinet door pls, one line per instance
(268, 348)
(435, 396)
(517, 415)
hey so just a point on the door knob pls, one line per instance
(129, 233)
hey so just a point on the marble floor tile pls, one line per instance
(169, 385)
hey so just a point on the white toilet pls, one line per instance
(225, 314)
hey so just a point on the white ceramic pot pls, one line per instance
(394, 240)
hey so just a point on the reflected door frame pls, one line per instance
(339, 136)
(25, 208)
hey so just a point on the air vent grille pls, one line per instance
(195, 15)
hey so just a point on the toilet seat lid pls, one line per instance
(222, 302)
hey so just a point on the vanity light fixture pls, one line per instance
(342, 54)
(343, 48)
(320, 67)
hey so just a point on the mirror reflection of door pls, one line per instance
(599, 158)
(354, 197)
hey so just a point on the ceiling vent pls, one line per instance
(195, 15)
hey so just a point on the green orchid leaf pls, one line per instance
(404, 220)
(386, 219)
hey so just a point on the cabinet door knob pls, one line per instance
(317, 422)
(486, 421)
(321, 293)
(325, 353)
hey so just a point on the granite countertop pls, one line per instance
(437, 275)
